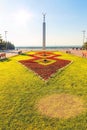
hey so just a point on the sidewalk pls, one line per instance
(75, 52)
(11, 53)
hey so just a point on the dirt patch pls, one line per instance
(61, 106)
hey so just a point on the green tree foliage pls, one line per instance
(6, 45)
(84, 46)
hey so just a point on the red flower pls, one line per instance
(45, 71)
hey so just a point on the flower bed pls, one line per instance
(45, 70)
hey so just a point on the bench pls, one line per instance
(19, 52)
(69, 52)
(2, 56)
(84, 54)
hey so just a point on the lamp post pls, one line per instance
(83, 36)
(0, 38)
(6, 38)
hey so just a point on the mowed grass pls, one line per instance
(21, 90)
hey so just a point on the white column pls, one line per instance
(44, 32)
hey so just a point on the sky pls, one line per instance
(22, 19)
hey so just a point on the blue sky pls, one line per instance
(65, 21)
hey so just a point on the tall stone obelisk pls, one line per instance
(44, 32)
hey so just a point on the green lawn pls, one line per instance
(21, 89)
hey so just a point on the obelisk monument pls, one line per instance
(44, 32)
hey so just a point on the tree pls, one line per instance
(9, 45)
(85, 46)
(6, 45)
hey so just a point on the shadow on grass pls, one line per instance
(24, 54)
(5, 60)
